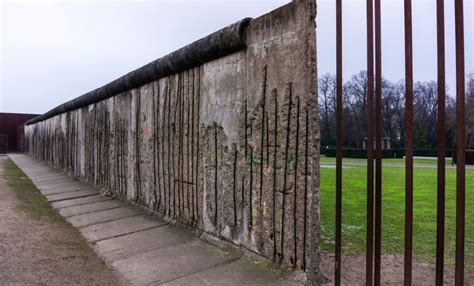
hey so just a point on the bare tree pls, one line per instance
(450, 122)
(393, 111)
(425, 105)
(398, 102)
(355, 94)
(470, 110)
(327, 108)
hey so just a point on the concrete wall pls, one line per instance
(229, 147)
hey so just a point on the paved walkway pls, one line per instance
(144, 249)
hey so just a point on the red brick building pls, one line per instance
(11, 131)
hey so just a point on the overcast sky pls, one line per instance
(53, 51)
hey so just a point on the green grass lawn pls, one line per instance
(393, 211)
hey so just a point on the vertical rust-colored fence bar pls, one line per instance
(408, 142)
(370, 146)
(441, 143)
(340, 140)
(460, 141)
(378, 143)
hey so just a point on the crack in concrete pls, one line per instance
(119, 235)
(104, 220)
(92, 211)
(65, 192)
(231, 260)
(137, 253)
(81, 204)
(59, 200)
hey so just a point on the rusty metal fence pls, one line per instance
(374, 115)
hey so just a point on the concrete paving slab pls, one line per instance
(60, 185)
(139, 242)
(45, 175)
(119, 227)
(25, 163)
(44, 183)
(47, 179)
(39, 172)
(42, 170)
(102, 216)
(240, 272)
(170, 263)
(89, 208)
(70, 195)
(64, 189)
(34, 167)
(79, 201)
(38, 168)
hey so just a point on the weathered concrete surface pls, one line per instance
(146, 250)
(46, 181)
(101, 216)
(229, 147)
(70, 195)
(88, 208)
(168, 263)
(140, 242)
(79, 201)
(47, 190)
(119, 227)
(62, 189)
(42, 178)
(49, 186)
(232, 273)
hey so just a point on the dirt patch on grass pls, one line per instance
(392, 265)
(37, 246)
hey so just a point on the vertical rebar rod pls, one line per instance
(262, 138)
(305, 209)
(193, 186)
(408, 143)
(460, 141)
(378, 143)
(275, 143)
(441, 143)
(137, 148)
(370, 145)
(285, 179)
(216, 186)
(295, 194)
(339, 141)
(154, 128)
(235, 186)
(198, 146)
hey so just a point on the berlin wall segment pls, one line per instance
(221, 135)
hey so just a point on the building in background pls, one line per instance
(386, 143)
(11, 131)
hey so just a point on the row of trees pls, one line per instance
(393, 108)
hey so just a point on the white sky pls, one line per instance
(53, 51)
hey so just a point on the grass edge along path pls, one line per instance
(31, 201)
(35, 206)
